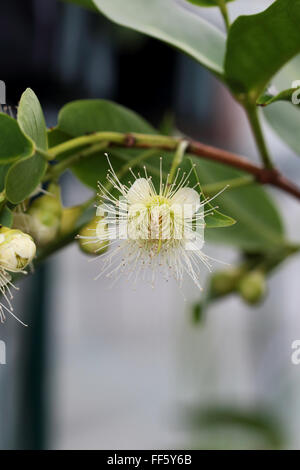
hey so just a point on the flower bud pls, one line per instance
(224, 282)
(17, 249)
(45, 215)
(70, 215)
(252, 287)
(93, 237)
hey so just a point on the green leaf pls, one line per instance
(3, 172)
(86, 116)
(207, 3)
(31, 119)
(6, 217)
(23, 177)
(258, 224)
(14, 144)
(216, 219)
(284, 118)
(171, 22)
(259, 45)
(93, 169)
(56, 137)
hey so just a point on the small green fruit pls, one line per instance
(252, 287)
(224, 282)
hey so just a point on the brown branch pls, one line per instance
(262, 175)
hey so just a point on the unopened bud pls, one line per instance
(45, 215)
(224, 282)
(17, 249)
(70, 215)
(252, 287)
(93, 237)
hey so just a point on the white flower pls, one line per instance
(17, 250)
(152, 231)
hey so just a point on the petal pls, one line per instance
(24, 246)
(187, 198)
(139, 191)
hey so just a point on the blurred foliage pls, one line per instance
(232, 427)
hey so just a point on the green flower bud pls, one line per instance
(45, 215)
(224, 282)
(252, 287)
(17, 249)
(70, 215)
(93, 237)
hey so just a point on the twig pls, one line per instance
(270, 176)
(224, 12)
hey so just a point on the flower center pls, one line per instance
(158, 201)
(154, 222)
